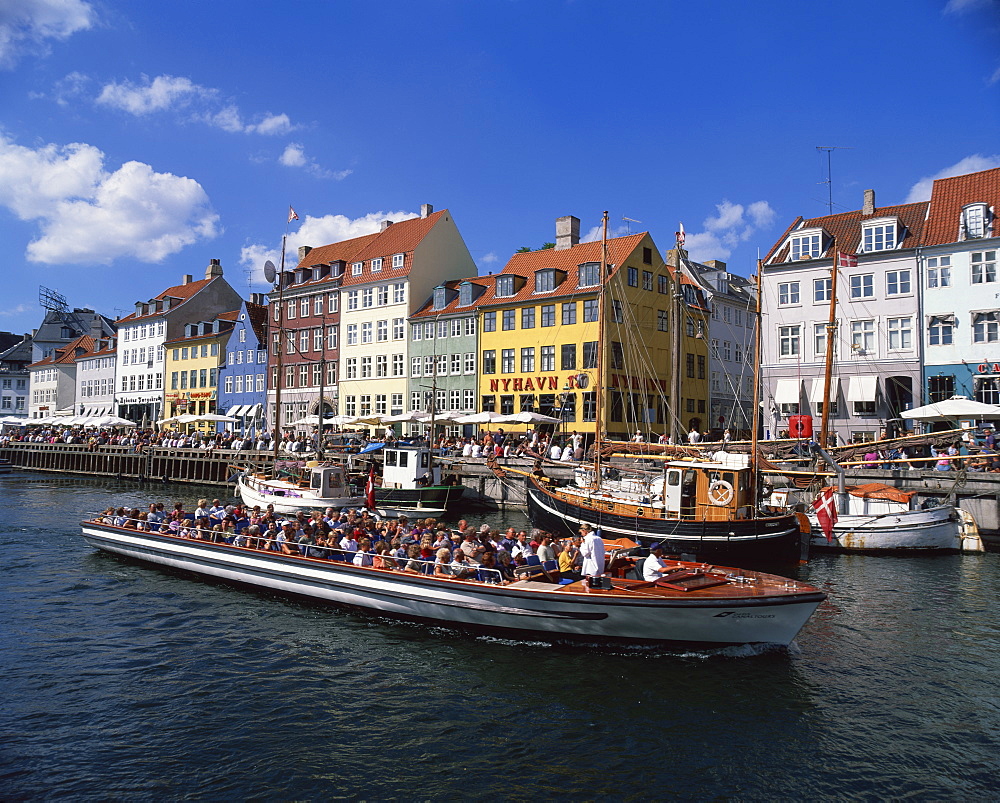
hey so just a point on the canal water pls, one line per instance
(126, 682)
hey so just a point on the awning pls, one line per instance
(236, 411)
(816, 392)
(252, 411)
(862, 389)
(787, 391)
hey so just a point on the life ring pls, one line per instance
(720, 492)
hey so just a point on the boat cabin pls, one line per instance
(702, 491)
(409, 467)
(327, 480)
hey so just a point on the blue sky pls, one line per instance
(140, 140)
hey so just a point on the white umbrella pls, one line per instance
(527, 417)
(951, 410)
(308, 421)
(407, 418)
(113, 421)
(215, 417)
(487, 417)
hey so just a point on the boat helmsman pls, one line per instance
(592, 550)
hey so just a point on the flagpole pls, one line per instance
(281, 336)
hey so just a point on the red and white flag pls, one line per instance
(291, 215)
(845, 260)
(681, 236)
(370, 489)
(826, 512)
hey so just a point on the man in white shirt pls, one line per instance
(592, 550)
(654, 566)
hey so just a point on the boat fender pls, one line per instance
(720, 492)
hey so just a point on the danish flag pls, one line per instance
(826, 512)
(845, 260)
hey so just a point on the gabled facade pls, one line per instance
(192, 365)
(243, 376)
(95, 379)
(876, 342)
(141, 336)
(53, 380)
(961, 289)
(444, 347)
(731, 348)
(60, 327)
(359, 352)
(539, 335)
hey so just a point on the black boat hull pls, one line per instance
(764, 541)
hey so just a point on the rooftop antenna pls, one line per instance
(829, 169)
(628, 229)
(51, 300)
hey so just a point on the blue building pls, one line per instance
(243, 377)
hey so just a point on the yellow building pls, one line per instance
(192, 368)
(539, 335)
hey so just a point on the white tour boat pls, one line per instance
(696, 605)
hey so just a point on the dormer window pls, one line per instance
(505, 286)
(356, 268)
(879, 235)
(976, 220)
(464, 294)
(590, 274)
(376, 264)
(440, 301)
(806, 245)
(545, 281)
(397, 260)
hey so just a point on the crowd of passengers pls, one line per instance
(424, 546)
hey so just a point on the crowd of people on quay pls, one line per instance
(423, 546)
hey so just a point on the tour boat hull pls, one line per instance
(937, 529)
(764, 609)
(762, 541)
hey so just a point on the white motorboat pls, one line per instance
(697, 605)
(880, 518)
(326, 486)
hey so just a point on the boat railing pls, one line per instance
(261, 543)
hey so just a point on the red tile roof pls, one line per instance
(566, 259)
(428, 311)
(948, 197)
(257, 315)
(846, 227)
(66, 355)
(399, 238)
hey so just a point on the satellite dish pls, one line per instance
(269, 271)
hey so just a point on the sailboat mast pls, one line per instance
(601, 381)
(754, 423)
(831, 339)
(278, 348)
(676, 433)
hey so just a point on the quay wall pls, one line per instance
(978, 493)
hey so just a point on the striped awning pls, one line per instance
(236, 411)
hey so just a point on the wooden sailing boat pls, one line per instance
(704, 509)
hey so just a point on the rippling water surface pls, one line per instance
(127, 682)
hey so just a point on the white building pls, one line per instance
(53, 380)
(95, 379)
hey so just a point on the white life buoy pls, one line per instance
(720, 492)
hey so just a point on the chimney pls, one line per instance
(257, 298)
(387, 223)
(567, 232)
(187, 278)
(214, 269)
(304, 251)
(869, 207)
(426, 210)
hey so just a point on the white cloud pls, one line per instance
(88, 215)
(921, 191)
(961, 6)
(26, 25)
(316, 231)
(203, 104)
(20, 309)
(732, 225)
(294, 155)
(163, 92)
